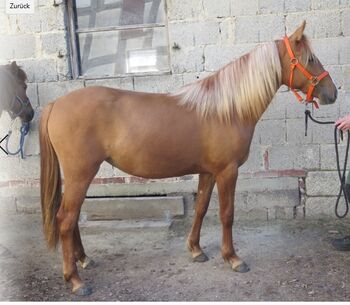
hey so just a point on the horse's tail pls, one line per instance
(50, 181)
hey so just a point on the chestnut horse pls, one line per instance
(13, 89)
(206, 128)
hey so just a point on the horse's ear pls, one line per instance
(14, 67)
(298, 34)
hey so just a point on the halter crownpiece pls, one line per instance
(314, 80)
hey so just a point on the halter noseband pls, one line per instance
(314, 80)
(23, 104)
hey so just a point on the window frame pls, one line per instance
(74, 52)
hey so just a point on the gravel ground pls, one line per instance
(289, 261)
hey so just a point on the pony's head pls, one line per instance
(13, 96)
(315, 77)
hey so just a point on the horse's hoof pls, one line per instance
(83, 290)
(87, 262)
(201, 258)
(241, 268)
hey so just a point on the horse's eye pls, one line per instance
(25, 86)
(311, 60)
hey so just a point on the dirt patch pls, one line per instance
(289, 261)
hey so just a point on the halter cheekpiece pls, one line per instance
(314, 80)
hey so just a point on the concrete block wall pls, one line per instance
(204, 35)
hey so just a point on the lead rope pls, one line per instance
(24, 131)
(341, 173)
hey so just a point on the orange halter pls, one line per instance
(314, 80)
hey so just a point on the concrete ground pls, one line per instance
(144, 261)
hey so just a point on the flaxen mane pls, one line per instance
(245, 86)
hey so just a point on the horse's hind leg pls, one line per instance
(205, 188)
(67, 219)
(79, 251)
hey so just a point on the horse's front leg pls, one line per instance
(205, 188)
(226, 183)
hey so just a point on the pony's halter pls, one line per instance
(314, 80)
(23, 104)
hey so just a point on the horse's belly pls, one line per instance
(155, 162)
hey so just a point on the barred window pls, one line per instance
(117, 37)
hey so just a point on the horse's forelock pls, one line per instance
(306, 49)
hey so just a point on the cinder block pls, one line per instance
(32, 93)
(4, 23)
(322, 183)
(273, 199)
(326, 113)
(187, 60)
(328, 156)
(272, 132)
(293, 156)
(258, 28)
(17, 46)
(319, 24)
(217, 9)
(25, 23)
(282, 213)
(346, 78)
(227, 31)
(217, 56)
(7, 206)
(296, 132)
(9, 168)
(323, 134)
(105, 171)
(28, 205)
(54, 43)
(196, 33)
(39, 70)
(337, 74)
(251, 185)
(270, 6)
(133, 208)
(253, 214)
(255, 160)
(344, 3)
(277, 108)
(344, 54)
(324, 4)
(295, 110)
(63, 68)
(125, 83)
(158, 187)
(344, 102)
(346, 21)
(327, 50)
(180, 33)
(296, 5)
(319, 207)
(13, 168)
(158, 83)
(48, 92)
(184, 9)
(52, 18)
(31, 144)
(239, 8)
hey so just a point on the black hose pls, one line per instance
(341, 173)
